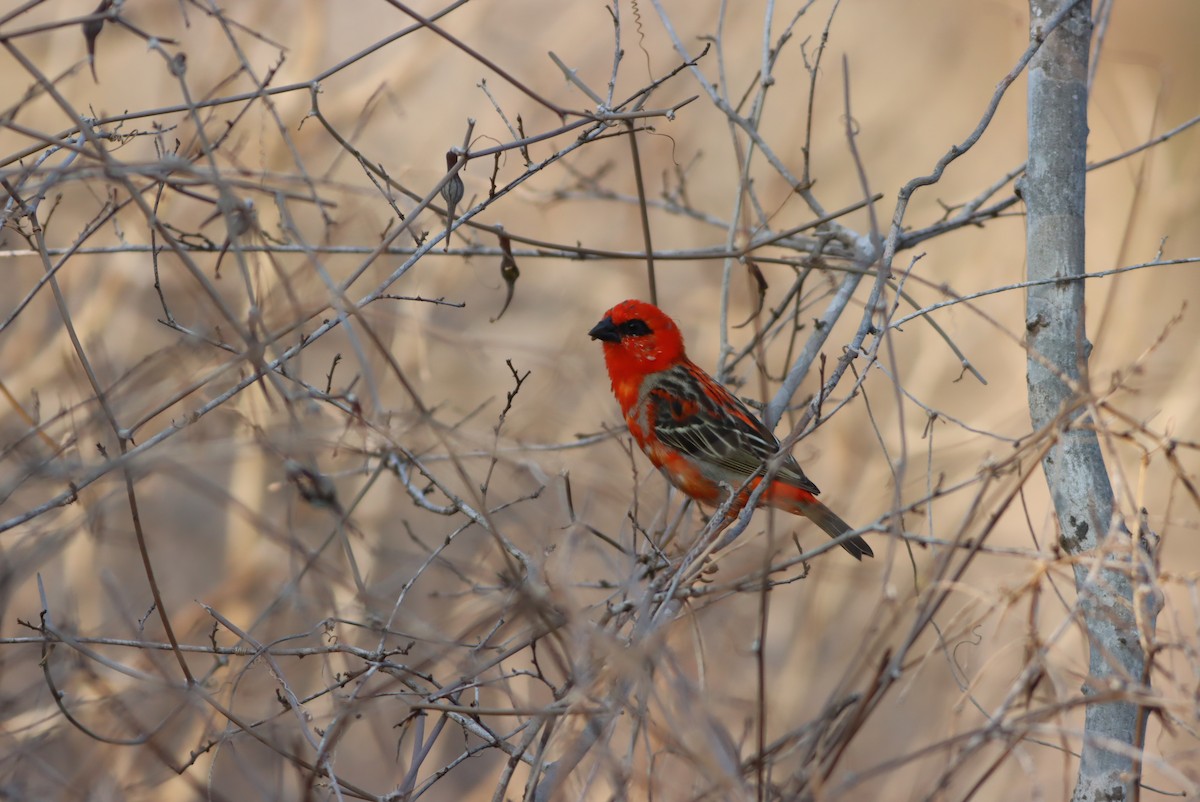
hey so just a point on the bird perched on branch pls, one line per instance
(694, 430)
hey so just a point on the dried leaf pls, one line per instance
(508, 272)
(761, 281)
(452, 193)
(91, 30)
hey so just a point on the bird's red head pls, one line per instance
(638, 339)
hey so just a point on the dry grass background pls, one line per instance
(234, 543)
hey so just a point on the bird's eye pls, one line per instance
(633, 328)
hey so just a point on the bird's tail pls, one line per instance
(806, 504)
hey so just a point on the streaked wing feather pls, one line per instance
(702, 420)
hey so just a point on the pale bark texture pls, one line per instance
(1054, 193)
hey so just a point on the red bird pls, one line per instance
(693, 429)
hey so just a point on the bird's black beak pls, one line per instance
(605, 330)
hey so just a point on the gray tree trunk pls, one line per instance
(1054, 192)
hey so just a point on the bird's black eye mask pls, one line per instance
(633, 328)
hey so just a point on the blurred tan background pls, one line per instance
(226, 528)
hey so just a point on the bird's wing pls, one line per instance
(693, 414)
